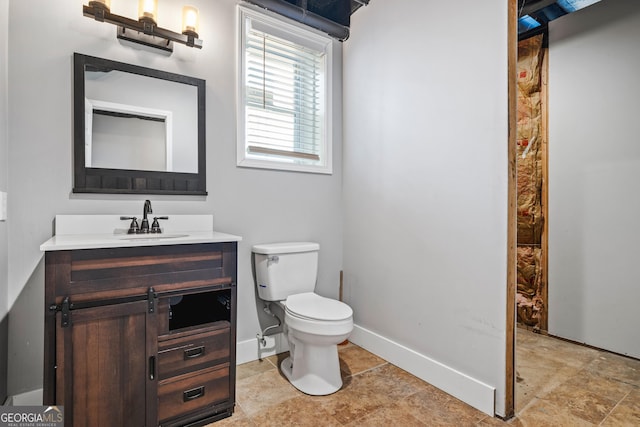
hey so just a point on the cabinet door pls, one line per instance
(106, 373)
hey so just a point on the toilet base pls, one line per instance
(318, 374)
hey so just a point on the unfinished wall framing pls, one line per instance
(532, 137)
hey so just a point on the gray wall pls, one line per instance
(425, 184)
(259, 205)
(594, 176)
(4, 320)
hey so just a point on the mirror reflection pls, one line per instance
(132, 122)
(137, 129)
(119, 136)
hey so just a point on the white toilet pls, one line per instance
(286, 273)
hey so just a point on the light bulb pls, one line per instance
(148, 10)
(190, 21)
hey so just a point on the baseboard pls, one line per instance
(471, 391)
(463, 387)
(250, 350)
(29, 398)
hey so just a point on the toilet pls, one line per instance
(286, 273)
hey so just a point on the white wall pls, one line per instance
(425, 184)
(259, 205)
(594, 176)
(4, 35)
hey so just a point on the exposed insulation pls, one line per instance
(530, 64)
(529, 215)
(530, 218)
(528, 299)
(529, 121)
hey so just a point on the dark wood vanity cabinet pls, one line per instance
(141, 336)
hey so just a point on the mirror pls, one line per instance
(137, 130)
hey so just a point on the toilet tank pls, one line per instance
(284, 269)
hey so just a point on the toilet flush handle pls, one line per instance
(273, 259)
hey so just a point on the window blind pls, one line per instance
(283, 98)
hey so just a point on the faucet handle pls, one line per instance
(133, 227)
(155, 225)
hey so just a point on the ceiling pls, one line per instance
(333, 16)
(330, 16)
(534, 15)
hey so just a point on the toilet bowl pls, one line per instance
(314, 325)
(286, 273)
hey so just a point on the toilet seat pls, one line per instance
(313, 307)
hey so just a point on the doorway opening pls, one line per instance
(587, 259)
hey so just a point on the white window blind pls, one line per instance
(284, 96)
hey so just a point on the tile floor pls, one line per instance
(563, 384)
(558, 384)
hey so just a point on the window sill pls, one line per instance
(262, 164)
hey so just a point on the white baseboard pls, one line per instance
(250, 350)
(477, 394)
(471, 391)
(30, 398)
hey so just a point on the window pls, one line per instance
(284, 95)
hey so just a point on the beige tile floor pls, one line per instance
(563, 384)
(558, 384)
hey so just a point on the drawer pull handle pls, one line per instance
(192, 394)
(192, 353)
(152, 368)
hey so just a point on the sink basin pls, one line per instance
(150, 236)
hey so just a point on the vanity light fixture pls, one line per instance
(145, 30)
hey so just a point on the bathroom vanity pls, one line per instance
(140, 330)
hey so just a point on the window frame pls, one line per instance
(287, 29)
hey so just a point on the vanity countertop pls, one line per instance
(108, 231)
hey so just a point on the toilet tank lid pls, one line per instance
(285, 248)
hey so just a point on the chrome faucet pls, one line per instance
(144, 226)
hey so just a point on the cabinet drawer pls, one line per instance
(106, 273)
(192, 392)
(188, 353)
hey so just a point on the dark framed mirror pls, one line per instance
(137, 130)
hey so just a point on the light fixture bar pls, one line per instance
(143, 32)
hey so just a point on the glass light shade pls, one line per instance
(104, 4)
(148, 10)
(190, 21)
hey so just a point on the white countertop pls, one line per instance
(108, 231)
